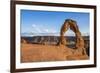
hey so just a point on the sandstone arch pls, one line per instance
(72, 25)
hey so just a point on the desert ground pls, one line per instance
(40, 53)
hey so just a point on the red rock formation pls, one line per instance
(69, 23)
(64, 28)
(23, 41)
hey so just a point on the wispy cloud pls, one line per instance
(33, 25)
(41, 29)
(38, 30)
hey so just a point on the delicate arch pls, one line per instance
(72, 24)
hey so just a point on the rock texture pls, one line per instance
(23, 41)
(42, 53)
(45, 48)
(79, 46)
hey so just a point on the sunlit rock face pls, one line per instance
(72, 25)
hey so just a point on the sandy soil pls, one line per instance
(39, 53)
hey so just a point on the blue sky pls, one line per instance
(50, 21)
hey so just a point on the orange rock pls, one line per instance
(69, 23)
(23, 41)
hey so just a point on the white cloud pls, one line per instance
(41, 29)
(36, 28)
(49, 30)
(46, 30)
(33, 25)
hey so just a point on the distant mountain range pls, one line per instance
(49, 34)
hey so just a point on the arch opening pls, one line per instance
(70, 39)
